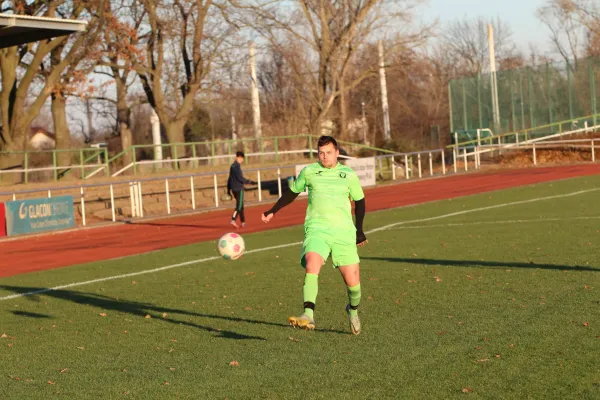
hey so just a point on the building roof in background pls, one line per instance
(21, 29)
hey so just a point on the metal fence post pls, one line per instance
(534, 156)
(259, 185)
(393, 169)
(140, 199)
(168, 198)
(279, 181)
(216, 190)
(192, 192)
(82, 205)
(430, 165)
(419, 162)
(443, 163)
(112, 203)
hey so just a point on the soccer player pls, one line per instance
(328, 228)
(235, 185)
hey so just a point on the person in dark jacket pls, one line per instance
(235, 186)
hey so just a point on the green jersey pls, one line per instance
(329, 194)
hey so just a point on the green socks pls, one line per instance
(354, 299)
(310, 290)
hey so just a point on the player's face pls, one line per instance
(328, 155)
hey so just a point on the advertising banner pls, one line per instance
(39, 215)
(365, 169)
(2, 220)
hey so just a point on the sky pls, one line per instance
(520, 15)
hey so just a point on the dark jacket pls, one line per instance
(236, 178)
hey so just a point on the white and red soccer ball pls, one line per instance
(231, 246)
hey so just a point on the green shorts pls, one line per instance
(341, 246)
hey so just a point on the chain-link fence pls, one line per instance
(528, 98)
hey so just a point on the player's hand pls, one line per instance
(361, 239)
(266, 218)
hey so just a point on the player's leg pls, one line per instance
(236, 196)
(345, 258)
(315, 253)
(241, 208)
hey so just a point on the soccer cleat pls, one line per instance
(302, 322)
(243, 224)
(232, 222)
(354, 321)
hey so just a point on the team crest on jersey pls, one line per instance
(342, 174)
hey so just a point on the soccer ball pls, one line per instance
(231, 246)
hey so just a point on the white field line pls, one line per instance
(202, 260)
(505, 222)
(514, 203)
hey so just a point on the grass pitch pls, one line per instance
(487, 296)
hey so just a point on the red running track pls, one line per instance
(44, 252)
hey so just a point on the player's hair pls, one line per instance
(240, 154)
(325, 140)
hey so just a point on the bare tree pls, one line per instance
(43, 64)
(326, 35)
(182, 40)
(466, 42)
(567, 34)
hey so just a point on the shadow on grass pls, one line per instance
(143, 309)
(485, 264)
(30, 314)
(182, 225)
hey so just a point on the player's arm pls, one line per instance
(239, 176)
(360, 210)
(287, 197)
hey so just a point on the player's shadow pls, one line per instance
(182, 225)
(484, 264)
(107, 303)
(30, 314)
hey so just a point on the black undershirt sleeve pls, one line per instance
(359, 213)
(286, 198)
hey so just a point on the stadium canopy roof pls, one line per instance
(21, 29)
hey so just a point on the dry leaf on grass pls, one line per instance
(586, 324)
(467, 390)
(171, 369)
(102, 314)
(81, 348)
(164, 315)
(64, 370)
(4, 335)
(165, 383)
(148, 316)
(234, 364)
(51, 383)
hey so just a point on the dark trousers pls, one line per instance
(239, 206)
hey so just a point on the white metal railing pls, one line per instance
(209, 158)
(136, 196)
(590, 144)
